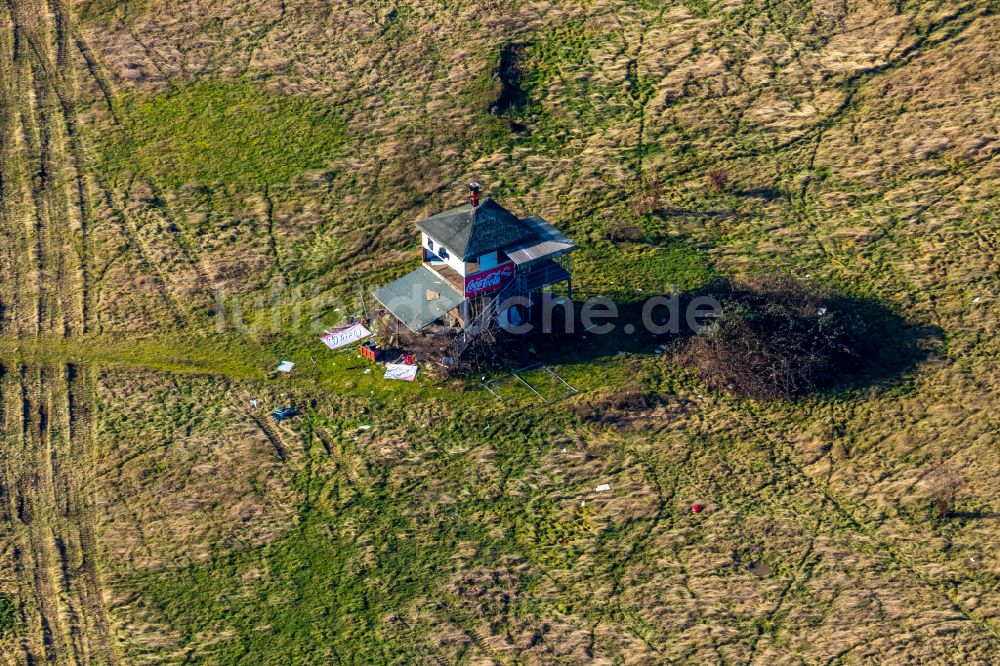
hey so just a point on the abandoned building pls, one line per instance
(475, 259)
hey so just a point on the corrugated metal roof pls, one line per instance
(548, 242)
(406, 298)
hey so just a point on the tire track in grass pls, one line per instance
(16, 509)
(27, 478)
(272, 436)
(20, 206)
(47, 435)
(80, 406)
(47, 432)
(784, 455)
(90, 62)
(130, 230)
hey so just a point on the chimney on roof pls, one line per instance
(474, 190)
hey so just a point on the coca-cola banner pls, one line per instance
(490, 280)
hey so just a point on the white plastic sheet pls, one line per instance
(406, 373)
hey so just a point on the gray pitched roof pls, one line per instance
(473, 232)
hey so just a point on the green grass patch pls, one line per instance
(219, 132)
(314, 596)
(8, 614)
(634, 271)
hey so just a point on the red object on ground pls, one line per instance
(370, 352)
(697, 508)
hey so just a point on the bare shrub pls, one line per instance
(608, 408)
(648, 198)
(718, 179)
(945, 485)
(625, 231)
(777, 338)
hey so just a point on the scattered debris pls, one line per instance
(368, 371)
(977, 299)
(697, 508)
(253, 403)
(603, 488)
(285, 366)
(364, 427)
(820, 312)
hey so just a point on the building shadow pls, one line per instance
(890, 348)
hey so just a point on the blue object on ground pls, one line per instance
(280, 415)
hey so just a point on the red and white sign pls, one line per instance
(489, 280)
(345, 336)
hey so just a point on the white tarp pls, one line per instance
(407, 373)
(345, 336)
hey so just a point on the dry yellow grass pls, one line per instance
(148, 515)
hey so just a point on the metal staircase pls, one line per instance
(525, 282)
(484, 319)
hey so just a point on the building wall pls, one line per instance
(488, 261)
(453, 261)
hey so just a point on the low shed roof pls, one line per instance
(418, 299)
(546, 242)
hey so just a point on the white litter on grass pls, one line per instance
(603, 488)
(285, 366)
(977, 299)
(364, 427)
(368, 371)
(564, 449)
(821, 312)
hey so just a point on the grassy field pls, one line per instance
(189, 193)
